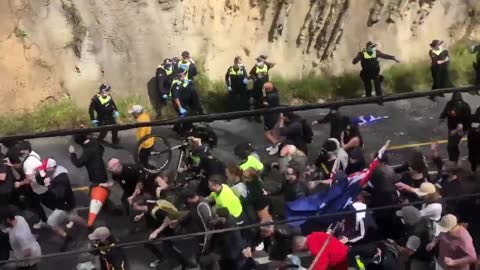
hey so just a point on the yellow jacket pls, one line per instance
(143, 131)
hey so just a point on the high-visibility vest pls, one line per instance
(360, 265)
(104, 100)
(185, 66)
(175, 82)
(437, 52)
(366, 55)
(226, 198)
(167, 70)
(262, 70)
(239, 72)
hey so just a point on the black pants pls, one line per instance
(168, 250)
(190, 102)
(103, 134)
(257, 94)
(4, 246)
(439, 77)
(452, 147)
(238, 100)
(31, 267)
(367, 78)
(27, 199)
(473, 148)
(143, 156)
(476, 67)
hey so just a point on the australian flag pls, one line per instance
(339, 197)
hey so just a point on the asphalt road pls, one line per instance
(409, 122)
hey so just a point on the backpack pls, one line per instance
(307, 131)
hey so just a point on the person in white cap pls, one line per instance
(111, 256)
(145, 148)
(59, 198)
(456, 250)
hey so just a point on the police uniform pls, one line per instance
(164, 77)
(189, 67)
(368, 59)
(189, 100)
(236, 78)
(104, 107)
(260, 77)
(476, 64)
(439, 71)
(111, 257)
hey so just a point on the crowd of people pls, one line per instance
(431, 234)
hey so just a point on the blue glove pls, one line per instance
(229, 88)
(95, 122)
(182, 111)
(116, 114)
(245, 80)
(165, 96)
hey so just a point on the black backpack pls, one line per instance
(307, 131)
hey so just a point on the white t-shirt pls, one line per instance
(432, 211)
(21, 238)
(30, 165)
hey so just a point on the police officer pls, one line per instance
(368, 59)
(164, 77)
(236, 80)
(439, 67)
(185, 100)
(188, 65)
(259, 75)
(476, 65)
(106, 111)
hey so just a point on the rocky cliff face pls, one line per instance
(70, 46)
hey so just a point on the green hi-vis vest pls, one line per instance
(239, 72)
(262, 70)
(104, 100)
(184, 66)
(167, 207)
(437, 52)
(252, 162)
(167, 70)
(366, 55)
(175, 82)
(227, 199)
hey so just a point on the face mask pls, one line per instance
(260, 64)
(370, 50)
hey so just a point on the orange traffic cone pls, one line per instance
(98, 196)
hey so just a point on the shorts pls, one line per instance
(59, 218)
(270, 121)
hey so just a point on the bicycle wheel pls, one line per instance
(158, 157)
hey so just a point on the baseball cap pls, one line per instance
(47, 164)
(447, 223)
(136, 109)
(100, 233)
(410, 214)
(105, 87)
(425, 189)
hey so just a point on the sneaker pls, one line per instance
(274, 150)
(268, 149)
(39, 225)
(155, 263)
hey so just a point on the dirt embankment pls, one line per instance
(70, 46)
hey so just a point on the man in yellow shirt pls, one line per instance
(146, 147)
(224, 197)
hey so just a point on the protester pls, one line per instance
(334, 255)
(270, 120)
(411, 181)
(351, 138)
(111, 256)
(456, 251)
(338, 122)
(458, 115)
(359, 227)
(234, 178)
(374, 256)
(474, 137)
(22, 242)
(145, 149)
(292, 127)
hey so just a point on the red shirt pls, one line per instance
(334, 255)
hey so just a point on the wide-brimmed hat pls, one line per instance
(425, 189)
(447, 223)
